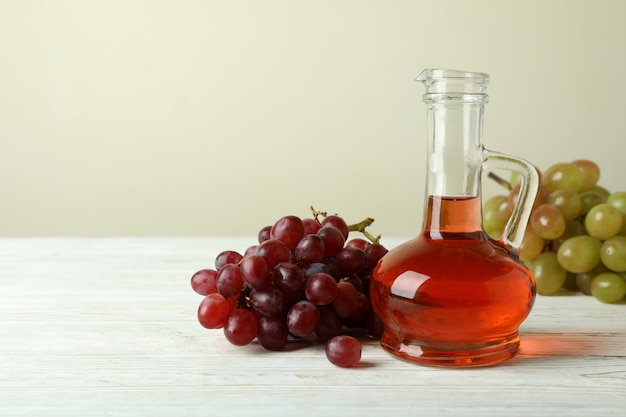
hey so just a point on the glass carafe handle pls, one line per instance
(516, 226)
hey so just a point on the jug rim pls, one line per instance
(440, 74)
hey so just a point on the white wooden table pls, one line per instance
(107, 327)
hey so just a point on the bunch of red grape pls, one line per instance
(304, 279)
(575, 238)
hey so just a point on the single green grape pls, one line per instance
(603, 221)
(491, 224)
(618, 200)
(602, 191)
(567, 201)
(608, 287)
(532, 245)
(549, 274)
(515, 179)
(570, 283)
(547, 221)
(583, 279)
(572, 228)
(580, 253)
(493, 202)
(613, 253)
(583, 282)
(590, 171)
(562, 175)
(590, 199)
(503, 210)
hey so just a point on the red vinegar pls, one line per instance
(452, 296)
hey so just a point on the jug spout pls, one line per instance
(453, 81)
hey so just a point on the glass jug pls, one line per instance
(452, 296)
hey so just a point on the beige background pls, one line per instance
(199, 117)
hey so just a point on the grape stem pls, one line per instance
(500, 181)
(357, 227)
(316, 214)
(361, 226)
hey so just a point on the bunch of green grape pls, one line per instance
(575, 238)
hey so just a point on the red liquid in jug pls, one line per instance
(452, 296)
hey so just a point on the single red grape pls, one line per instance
(358, 318)
(351, 260)
(289, 230)
(241, 327)
(288, 277)
(229, 281)
(358, 242)
(251, 250)
(344, 351)
(333, 240)
(374, 252)
(347, 300)
(320, 289)
(314, 268)
(227, 257)
(264, 234)
(329, 325)
(302, 318)
(274, 251)
(272, 333)
(311, 226)
(310, 249)
(338, 222)
(214, 310)
(204, 281)
(255, 272)
(268, 301)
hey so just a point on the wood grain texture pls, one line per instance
(107, 327)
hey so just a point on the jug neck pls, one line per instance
(455, 103)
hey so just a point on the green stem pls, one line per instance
(361, 226)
